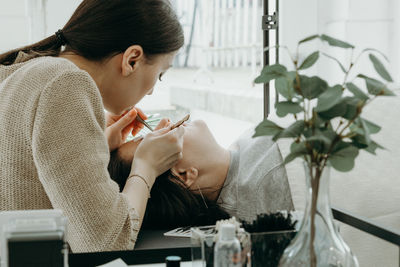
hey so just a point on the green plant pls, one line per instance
(328, 127)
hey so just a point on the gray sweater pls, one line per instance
(257, 181)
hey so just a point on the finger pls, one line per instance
(162, 124)
(125, 120)
(180, 131)
(137, 129)
(137, 124)
(126, 131)
(162, 131)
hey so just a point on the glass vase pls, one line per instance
(318, 242)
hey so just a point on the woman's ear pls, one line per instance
(187, 176)
(131, 59)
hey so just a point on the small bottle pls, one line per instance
(173, 261)
(227, 249)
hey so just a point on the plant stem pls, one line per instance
(350, 67)
(314, 200)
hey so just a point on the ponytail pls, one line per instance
(50, 46)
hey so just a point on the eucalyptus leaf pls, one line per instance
(335, 42)
(376, 87)
(366, 131)
(312, 87)
(294, 130)
(343, 160)
(339, 63)
(296, 150)
(309, 61)
(286, 107)
(356, 127)
(296, 146)
(275, 69)
(284, 85)
(353, 105)
(329, 98)
(380, 68)
(267, 127)
(271, 72)
(337, 110)
(320, 142)
(329, 133)
(266, 77)
(357, 92)
(360, 142)
(372, 127)
(377, 51)
(312, 37)
(372, 147)
(364, 128)
(341, 145)
(308, 132)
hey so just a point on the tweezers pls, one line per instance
(176, 125)
(180, 122)
(139, 119)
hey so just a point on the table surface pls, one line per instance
(155, 239)
(151, 249)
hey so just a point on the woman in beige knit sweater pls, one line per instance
(55, 137)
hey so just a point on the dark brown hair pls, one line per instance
(172, 204)
(100, 29)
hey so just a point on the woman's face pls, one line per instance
(125, 91)
(198, 142)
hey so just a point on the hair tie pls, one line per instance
(61, 38)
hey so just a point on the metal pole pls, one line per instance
(266, 62)
(277, 42)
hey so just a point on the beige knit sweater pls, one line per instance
(54, 154)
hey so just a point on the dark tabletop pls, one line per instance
(151, 247)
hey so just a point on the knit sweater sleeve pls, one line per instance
(71, 154)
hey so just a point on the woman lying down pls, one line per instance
(211, 182)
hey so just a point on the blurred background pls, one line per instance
(213, 75)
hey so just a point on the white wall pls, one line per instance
(58, 13)
(13, 24)
(23, 22)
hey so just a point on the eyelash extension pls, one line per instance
(160, 77)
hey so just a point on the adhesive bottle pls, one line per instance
(227, 249)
